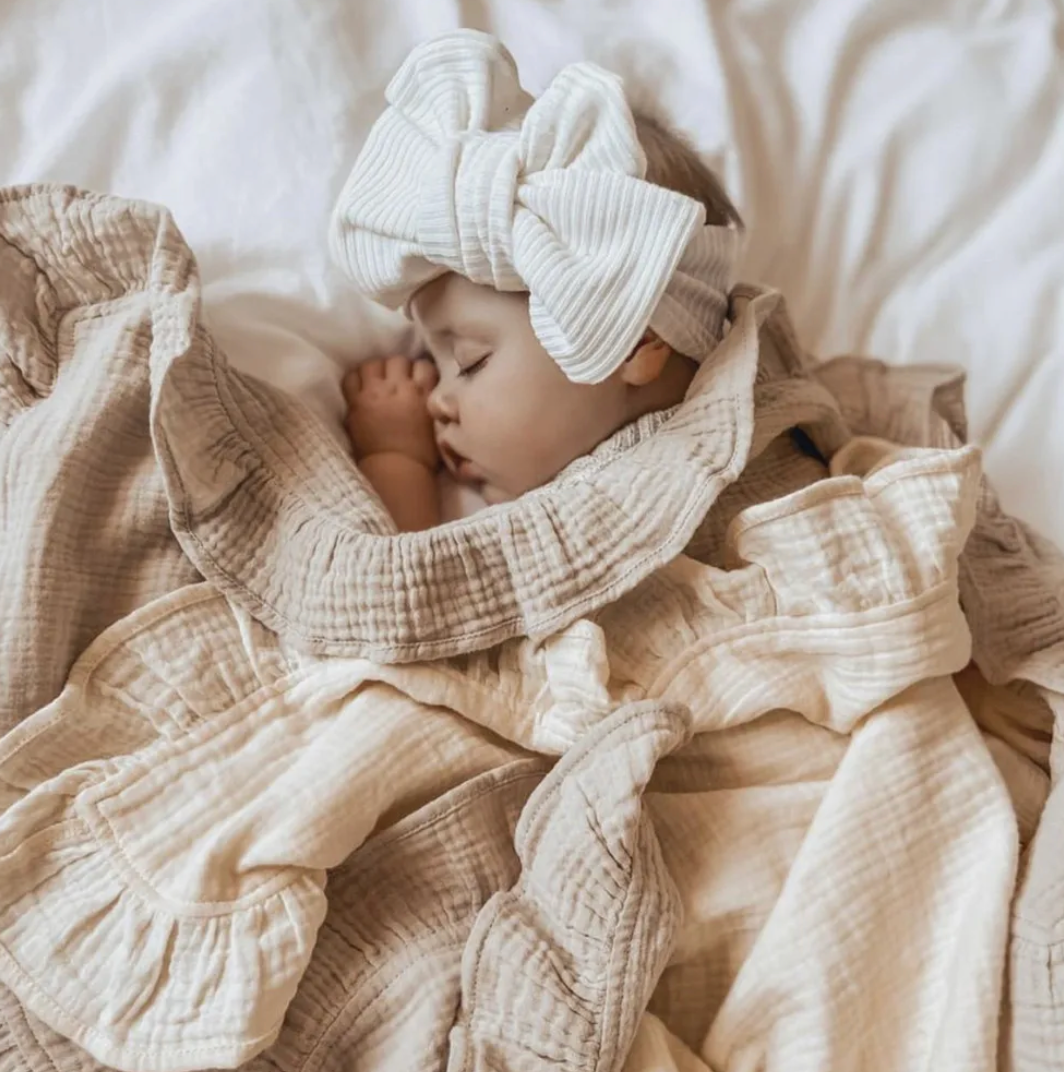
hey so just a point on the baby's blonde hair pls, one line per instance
(673, 162)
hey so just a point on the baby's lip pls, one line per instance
(468, 472)
(460, 466)
(451, 457)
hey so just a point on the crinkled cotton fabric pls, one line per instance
(264, 823)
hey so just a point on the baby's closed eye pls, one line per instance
(471, 368)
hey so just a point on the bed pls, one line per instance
(899, 166)
(230, 736)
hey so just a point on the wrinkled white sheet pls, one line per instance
(900, 166)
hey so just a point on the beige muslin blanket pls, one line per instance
(703, 757)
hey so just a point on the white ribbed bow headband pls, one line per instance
(466, 172)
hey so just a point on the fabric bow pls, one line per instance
(466, 172)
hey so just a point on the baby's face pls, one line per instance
(507, 419)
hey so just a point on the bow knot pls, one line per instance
(466, 207)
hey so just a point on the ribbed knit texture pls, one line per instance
(464, 172)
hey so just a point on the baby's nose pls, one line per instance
(441, 405)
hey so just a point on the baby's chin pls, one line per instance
(466, 473)
(459, 469)
(493, 492)
(493, 495)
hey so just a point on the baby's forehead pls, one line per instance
(451, 305)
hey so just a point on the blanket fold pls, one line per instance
(266, 791)
(84, 530)
(841, 608)
(1012, 588)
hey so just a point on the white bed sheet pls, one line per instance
(901, 165)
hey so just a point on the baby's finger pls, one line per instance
(371, 370)
(350, 385)
(397, 367)
(425, 375)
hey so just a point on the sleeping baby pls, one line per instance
(566, 264)
(739, 672)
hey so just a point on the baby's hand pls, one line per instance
(387, 410)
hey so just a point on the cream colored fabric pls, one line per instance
(1012, 590)
(848, 599)
(258, 826)
(73, 392)
(465, 172)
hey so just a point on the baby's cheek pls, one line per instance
(544, 456)
(518, 432)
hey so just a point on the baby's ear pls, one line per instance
(646, 362)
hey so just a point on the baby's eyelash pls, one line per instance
(472, 370)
